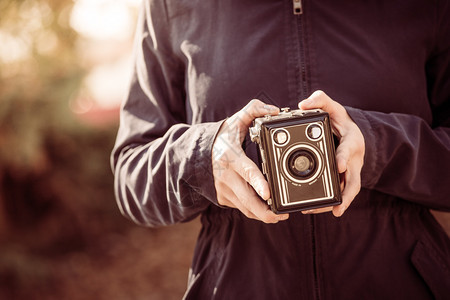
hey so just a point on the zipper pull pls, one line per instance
(297, 7)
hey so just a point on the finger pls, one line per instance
(317, 210)
(234, 202)
(342, 157)
(319, 99)
(236, 127)
(255, 109)
(252, 203)
(248, 170)
(226, 197)
(351, 189)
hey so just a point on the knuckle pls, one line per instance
(255, 102)
(250, 106)
(256, 108)
(319, 93)
(222, 200)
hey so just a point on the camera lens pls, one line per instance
(301, 163)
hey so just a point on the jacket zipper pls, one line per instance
(314, 258)
(298, 10)
(302, 91)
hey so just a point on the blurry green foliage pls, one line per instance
(55, 180)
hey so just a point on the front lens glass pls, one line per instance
(302, 164)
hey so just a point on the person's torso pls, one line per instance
(367, 55)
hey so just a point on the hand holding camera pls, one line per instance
(305, 166)
(238, 181)
(349, 153)
(298, 157)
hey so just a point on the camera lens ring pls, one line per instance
(307, 172)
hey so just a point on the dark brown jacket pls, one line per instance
(388, 62)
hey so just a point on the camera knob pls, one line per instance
(285, 109)
(254, 135)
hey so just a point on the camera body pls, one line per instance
(298, 158)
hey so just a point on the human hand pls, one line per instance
(238, 181)
(349, 153)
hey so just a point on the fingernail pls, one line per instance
(262, 191)
(261, 194)
(259, 190)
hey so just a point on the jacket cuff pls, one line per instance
(369, 170)
(203, 161)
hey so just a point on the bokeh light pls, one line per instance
(106, 28)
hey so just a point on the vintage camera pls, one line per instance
(297, 155)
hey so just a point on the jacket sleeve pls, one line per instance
(405, 156)
(161, 164)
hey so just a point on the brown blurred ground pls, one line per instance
(62, 235)
(137, 263)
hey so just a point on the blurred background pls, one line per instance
(64, 68)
